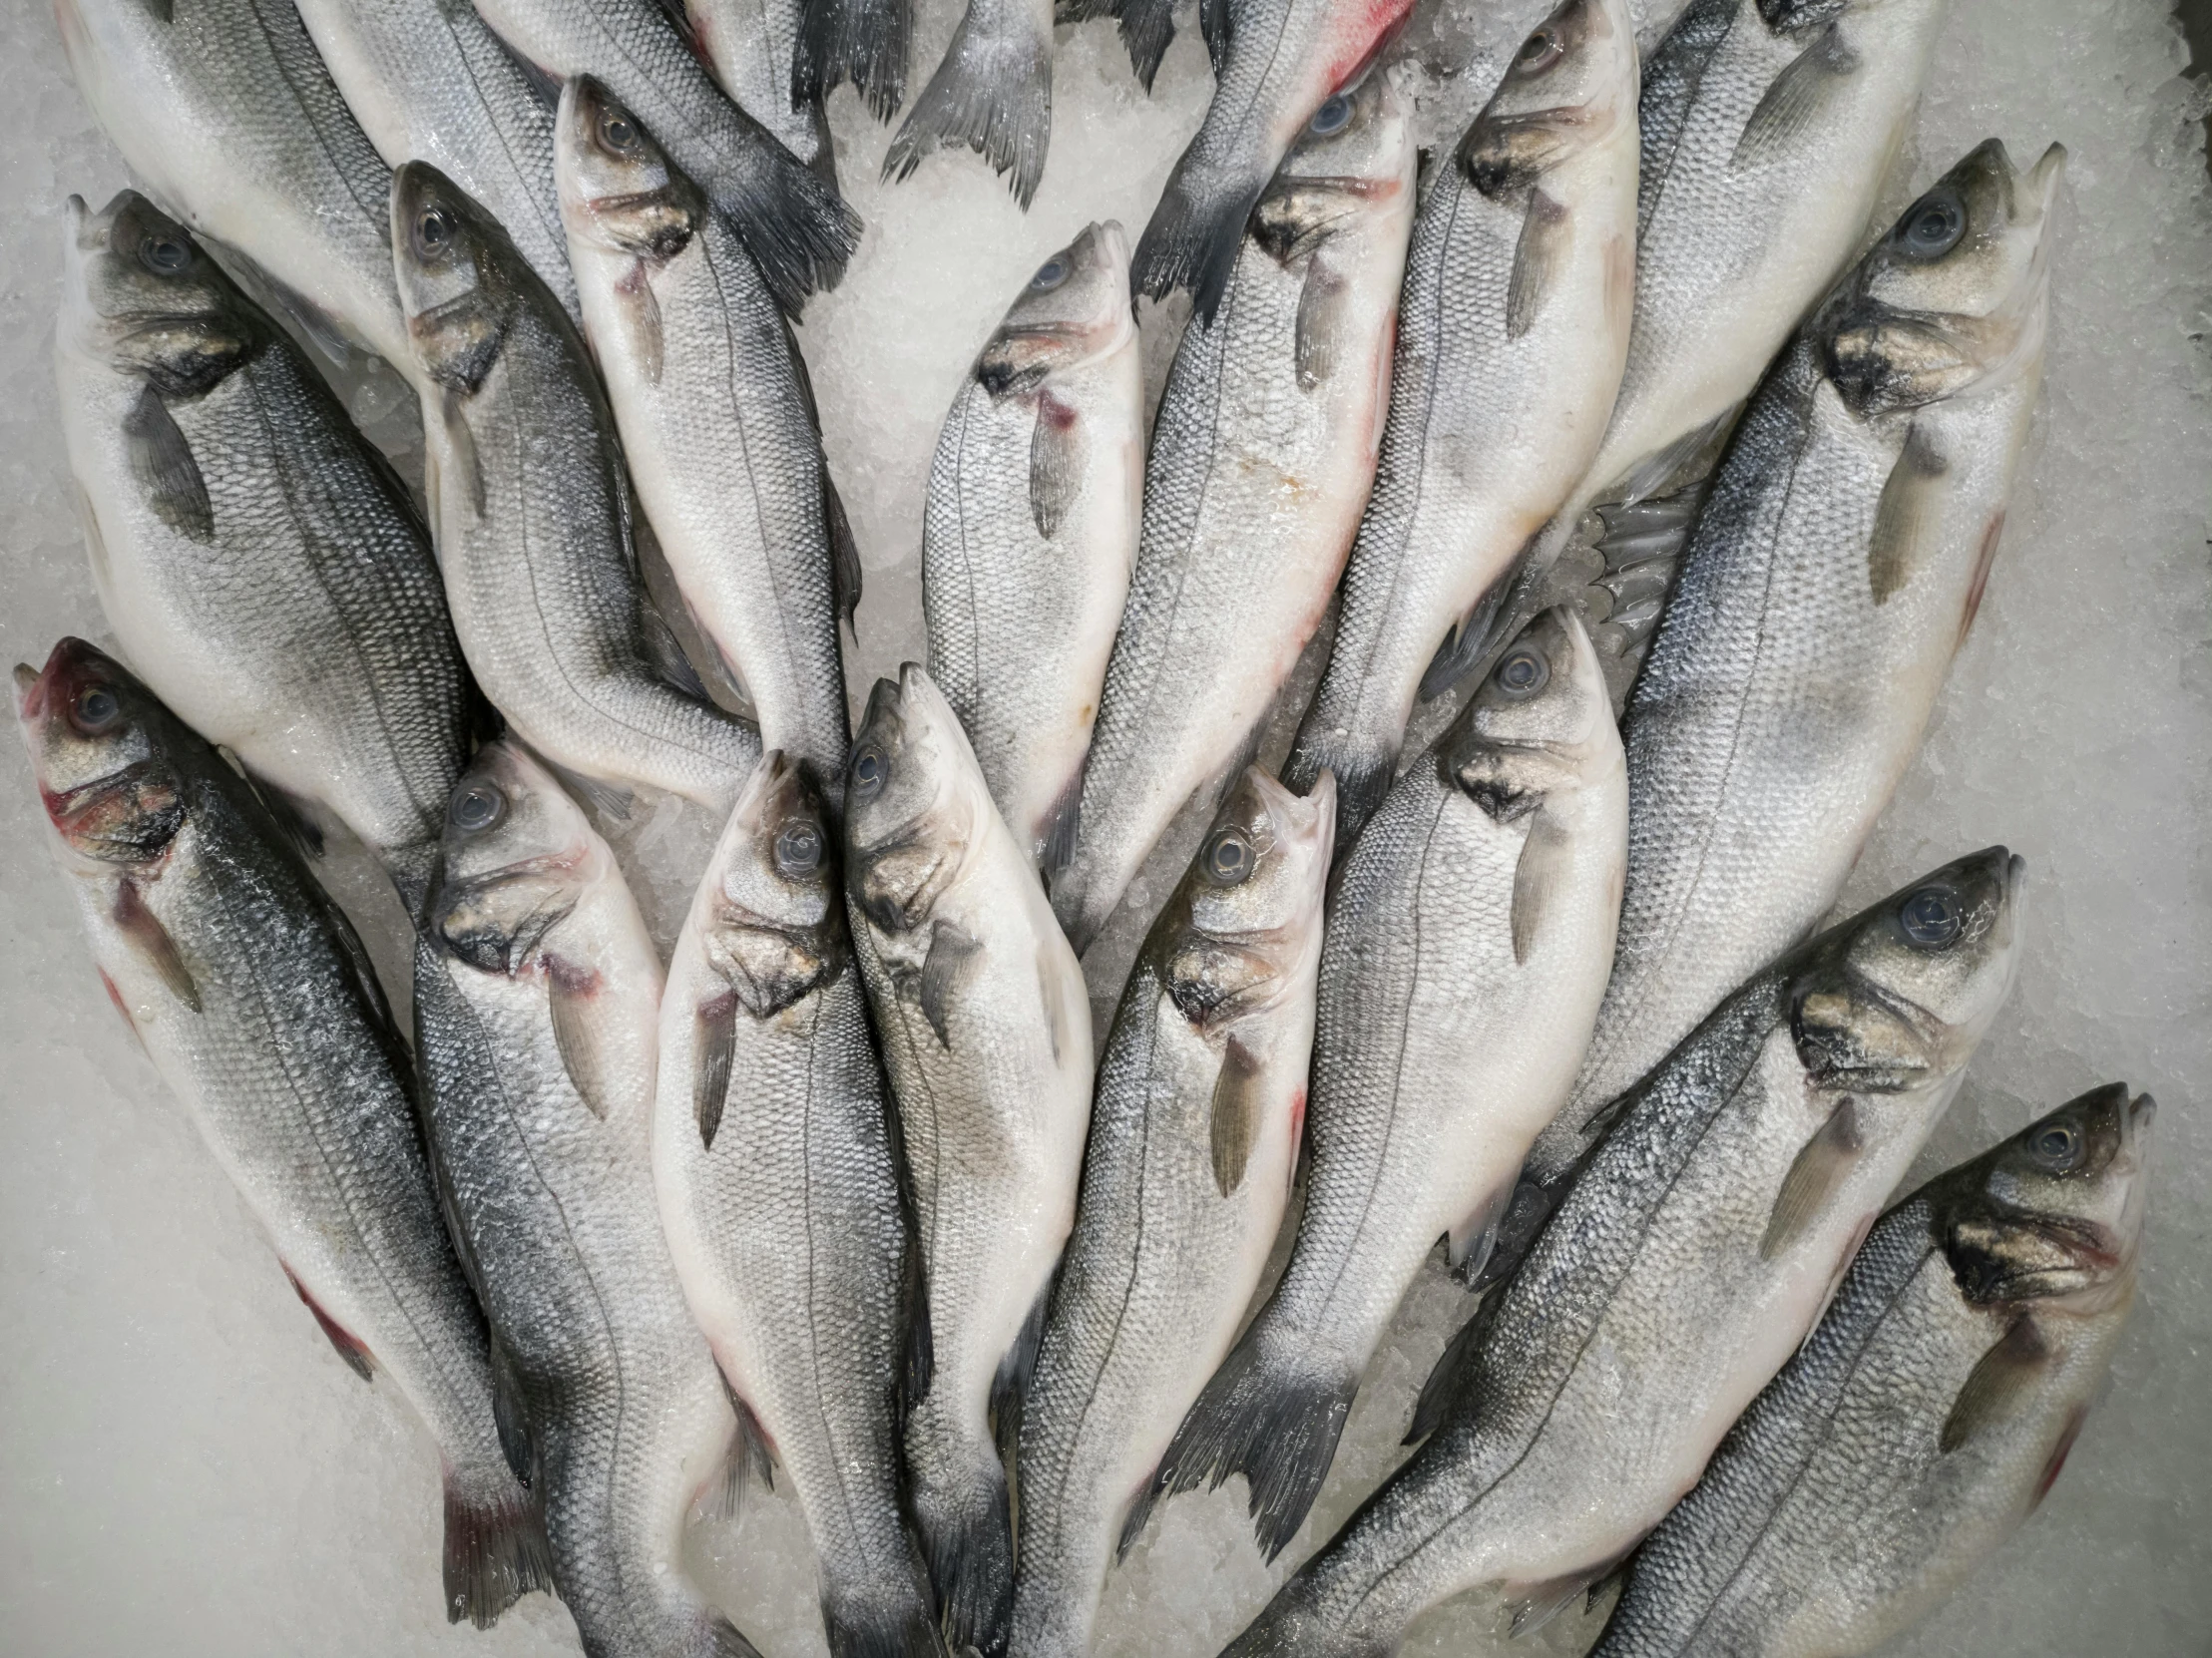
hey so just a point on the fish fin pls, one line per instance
(748, 1457)
(1546, 869)
(1823, 1165)
(716, 1034)
(309, 319)
(1056, 846)
(1060, 988)
(844, 551)
(543, 84)
(1537, 1604)
(1236, 1118)
(799, 230)
(1978, 582)
(1654, 531)
(991, 92)
(724, 1640)
(1318, 335)
(2055, 1462)
(286, 815)
(1649, 476)
(880, 1625)
(510, 1409)
(1468, 643)
(1010, 1384)
(950, 952)
(161, 11)
(920, 1365)
(1994, 1389)
(1135, 1520)
(161, 461)
(861, 41)
(1058, 449)
(494, 1545)
(967, 1543)
(1218, 27)
(462, 442)
(1446, 1377)
(1904, 515)
(570, 990)
(144, 930)
(1468, 1245)
(1546, 237)
(349, 1347)
(640, 309)
(1146, 28)
(1798, 98)
(608, 799)
(673, 641)
(1527, 1208)
(1194, 234)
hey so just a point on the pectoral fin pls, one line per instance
(1822, 1167)
(1236, 1111)
(1060, 985)
(715, 1033)
(572, 991)
(1057, 454)
(1468, 1246)
(144, 930)
(466, 467)
(1800, 97)
(1905, 516)
(163, 465)
(1547, 235)
(1995, 1385)
(950, 952)
(639, 308)
(1321, 324)
(1546, 868)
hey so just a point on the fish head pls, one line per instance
(1538, 719)
(1955, 296)
(618, 189)
(139, 295)
(1248, 912)
(772, 924)
(1899, 995)
(912, 812)
(1568, 88)
(516, 855)
(1075, 309)
(104, 750)
(458, 273)
(1352, 162)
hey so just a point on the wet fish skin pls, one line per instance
(254, 999)
(1469, 931)
(1827, 584)
(1035, 498)
(1689, 1256)
(537, 1002)
(1512, 331)
(992, 92)
(866, 42)
(531, 511)
(1262, 459)
(1194, 1137)
(251, 547)
(1927, 1415)
(717, 421)
(779, 1177)
(986, 1032)
(752, 48)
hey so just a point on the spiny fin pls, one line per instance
(570, 994)
(1994, 1388)
(350, 1348)
(714, 1032)
(1058, 451)
(1823, 1165)
(509, 1410)
(992, 92)
(1319, 331)
(950, 952)
(1238, 1101)
(1468, 1245)
(640, 309)
(1546, 869)
(1799, 98)
(161, 461)
(1546, 236)
(1904, 515)
(150, 939)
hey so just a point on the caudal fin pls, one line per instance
(1196, 232)
(796, 228)
(494, 1545)
(967, 1545)
(993, 93)
(1362, 771)
(861, 41)
(886, 1620)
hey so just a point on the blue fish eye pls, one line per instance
(1931, 918)
(1049, 274)
(1332, 115)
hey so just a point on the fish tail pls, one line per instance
(861, 41)
(1196, 232)
(968, 1543)
(1076, 901)
(797, 229)
(495, 1544)
(1147, 27)
(993, 93)
(873, 1624)
(1363, 766)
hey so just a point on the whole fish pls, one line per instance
(1510, 337)
(1469, 931)
(992, 92)
(717, 423)
(537, 1001)
(531, 511)
(1276, 64)
(861, 41)
(429, 81)
(225, 112)
(1194, 1135)
(253, 550)
(1030, 529)
(777, 1169)
(792, 224)
(1691, 1254)
(752, 48)
(1832, 573)
(1262, 459)
(986, 1030)
(1923, 1419)
(255, 1002)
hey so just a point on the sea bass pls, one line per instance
(1693, 1251)
(717, 424)
(1923, 1419)
(1031, 530)
(777, 1169)
(1834, 571)
(1510, 337)
(986, 1030)
(531, 510)
(862, 41)
(752, 48)
(1470, 932)
(1262, 459)
(537, 999)
(255, 1002)
(992, 92)
(251, 550)
(1194, 1135)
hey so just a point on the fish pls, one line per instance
(1262, 459)
(986, 1033)
(1832, 573)
(1470, 931)
(1194, 1136)
(255, 998)
(866, 42)
(1276, 66)
(429, 81)
(1927, 1414)
(1689, 1256)
(717, 424)
(992, 92)
(1029, 532)
(752, 46)
(777, 1170)
(1512, 331)
(537, 1010)
(796, 228)
(530, 513)
(225, 111)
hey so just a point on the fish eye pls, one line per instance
(165, 256)
(1228, 858)
(869, 769)
(1523, 672)
(1933, 226)
(2058, 1147)
(433, 229)
(1331, 117)
(1049, 276)
(1538, 52)
(1930, 917)
(477, 806)
(95, 710)
(618, 131)
(798, 848)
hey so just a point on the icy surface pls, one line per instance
(189, 1469)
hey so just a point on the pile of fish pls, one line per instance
(1613, 445)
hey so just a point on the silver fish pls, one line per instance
(1262, 456)
(777, 1169)
(1470, 932)
(531, 511)
(255, 1002)
(1690, 1255)
(717, 424)
(1031, 530)
(1511, 338)
(986, 1028)
(992, 92)
(752, 48)
(1923, 1419)
(537, 1002)
(1194, 1135)
(1835, 568)
(792, 224)
(251, 550)
(865, 42)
